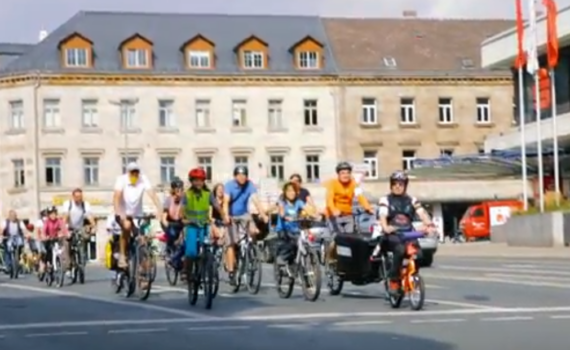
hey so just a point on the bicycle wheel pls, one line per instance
(49, 276)
(193, 282)
(153, 267)
(208, 272)
(144, 272)
(217, 267)
(253, 269)
(169, 270)
(283, 282)
(15, 266)
(310, 276)
(418, 286)
(59, 273)
(240, 271)
(130, 274)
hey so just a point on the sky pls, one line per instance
(22, 20)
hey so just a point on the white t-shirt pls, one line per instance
(112, 226)
(75, 212)
(132, 195)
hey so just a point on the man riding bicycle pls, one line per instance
(171, 220)
(340, 196)
(397, 211)
(128, 204)
(80, 221)
(13, 231)
(238, 193)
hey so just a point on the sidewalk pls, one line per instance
(499, 250)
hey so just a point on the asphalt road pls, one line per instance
(473, 303)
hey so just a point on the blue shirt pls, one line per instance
(290, 211)
(239, 202)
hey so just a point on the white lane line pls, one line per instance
(137, 330)
(361, 323)
(55, 334)
(140, 305)
(105, 323)
(498, 269)
(289, 326)
(507, 318)
(461, 304)
(500, 280)
(525, 277)
(560, 317)
(439, 320)
(217, 328)
(157, 289)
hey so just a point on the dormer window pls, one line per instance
(253, 59)
(137, 58)
(77, 57)
(199, 59)
(308, 60)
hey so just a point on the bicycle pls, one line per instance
(305, 267)
(51, 261)
(202, 274)
(152, 249)
(248, 262)
(77, 257)
(14, 248)
(136, 277)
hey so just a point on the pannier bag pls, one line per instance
(353, 254)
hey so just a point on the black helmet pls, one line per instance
(52, 209)
(43, 213)
(176, 183)
(343, 166)
(240, 169)
(399, 176)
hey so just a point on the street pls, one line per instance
(472, 303)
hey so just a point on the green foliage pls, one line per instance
(549, 207)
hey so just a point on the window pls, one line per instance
(89, 114)
(199, 59)
(128, 115)
(239, 113)
(277, 167)
(390, 62)
(76, 57)
(311, 113)
(483, 110)
(313, 167)
(446, 153)
(369, 111)
(445, 111)
(137, 58)
(308, 60)
(52, 171)
(407, 111)
(51, 114)
(253, 59)
(408, 157)
(274, 114)
(16, 115)
(478, 213)
(371, 159)
(166, 114)
(19, 173)
(125, 160)
(91, 171)
(206, 163)
(241, 161)
(167, 169)
(202, 112)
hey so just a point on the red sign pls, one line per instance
(544, 89)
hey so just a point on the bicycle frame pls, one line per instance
(410, 270)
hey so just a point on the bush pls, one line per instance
(549, 205)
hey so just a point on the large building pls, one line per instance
(281, 94)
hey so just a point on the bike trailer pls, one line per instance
(353, 255)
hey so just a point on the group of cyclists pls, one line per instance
(192, 213)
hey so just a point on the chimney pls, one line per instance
(43, 35)
(409, 14)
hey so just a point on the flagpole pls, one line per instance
(555, 136)
(522, 123)
(539, 140)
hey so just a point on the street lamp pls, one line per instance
(125, 123)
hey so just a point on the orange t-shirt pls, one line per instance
(340, 196)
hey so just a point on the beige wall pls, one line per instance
(184, 141)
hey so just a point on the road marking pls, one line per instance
(57, 334)
(140, 305)
(498, 269)
(289, 326)
(217, 328)
(360, 323)
(507, 318)
(501, 280)
(461, 304)
(440, 320)
(560, 317)
(530, 277)
(157, 289)
(137, 330)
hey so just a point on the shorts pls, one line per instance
(233, 235)
(194, 237)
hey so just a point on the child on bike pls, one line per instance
(290, 208)
(53, 229)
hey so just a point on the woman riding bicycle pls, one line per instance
(53, 230)
(171, 222)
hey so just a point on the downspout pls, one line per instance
(37, 84)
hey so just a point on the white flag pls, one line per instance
(531, 45)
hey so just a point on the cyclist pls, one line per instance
(290, 207)
(340, 195)
(53, 230)
(128, 204)
(195, 213)
(397, 211)
(304, 193)
(171, 224)
(13, 231)
(80, 221)
(216, 213)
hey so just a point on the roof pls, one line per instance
(9, 52)
(168, 32)
(416, 45)
(420, 47)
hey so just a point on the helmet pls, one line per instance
(176, 183)
(343, 166)
(240, 169)
(399, 176)
(132, 166)
(43, 213)
(52, 209)
(197, 173)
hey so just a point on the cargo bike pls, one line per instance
(357, 262)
